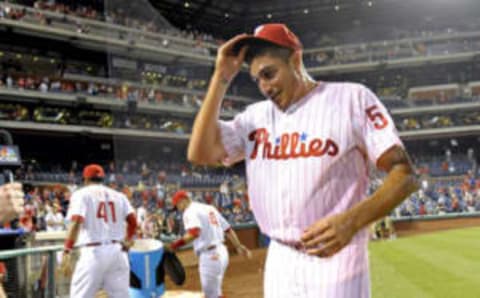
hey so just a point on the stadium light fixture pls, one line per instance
(337, 7)
(187, 4)
(269, 16)
(370, 3)
(306, 11)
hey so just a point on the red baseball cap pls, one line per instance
(93, 171)
(178, 196)
(275, 33)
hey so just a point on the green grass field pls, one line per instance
(440, 265)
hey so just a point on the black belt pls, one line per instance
(210, 247)
(99, 243)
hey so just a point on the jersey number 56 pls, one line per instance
(102, 212)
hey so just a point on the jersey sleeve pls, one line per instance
(233, 138)
(191, 220)
(77, 207)
(375, 129)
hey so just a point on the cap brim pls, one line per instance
(241, 43)
(248, 40)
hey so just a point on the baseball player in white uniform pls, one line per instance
(307, 149)
(206, 228)
(98, 215)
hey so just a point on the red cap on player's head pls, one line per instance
(275, 33)
(178, 196)
(93, 171)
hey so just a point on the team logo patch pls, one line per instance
(290, 145)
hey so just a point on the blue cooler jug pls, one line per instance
(146, 269)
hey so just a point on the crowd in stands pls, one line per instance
(400, 31)
(113, 91)
(150, 194)
(443, 197)
(154, 28)
(44, 74)
(448, 184)
(389, 50)
(334, 55)
(94, 118)
(437, 120)
(154, 94)
(120, 17)
(182, 125)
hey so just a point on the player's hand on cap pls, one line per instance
(11, 200)
(244, 251)
(228, 63)
(328, 236)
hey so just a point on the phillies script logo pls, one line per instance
(290, 145)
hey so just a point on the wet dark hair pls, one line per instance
(257, 48)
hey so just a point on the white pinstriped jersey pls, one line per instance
(104, 211)
(211, 223)
(310, 161)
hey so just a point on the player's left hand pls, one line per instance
(329, 235)
(244, 251)
(66, 265)
(168, 247)
(127, 244)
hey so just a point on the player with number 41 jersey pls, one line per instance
(102, 225)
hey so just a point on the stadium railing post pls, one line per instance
(51, 275)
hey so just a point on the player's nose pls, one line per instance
(261, 85)
(266, 89)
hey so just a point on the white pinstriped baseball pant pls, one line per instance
(211, 266)
(290, 273)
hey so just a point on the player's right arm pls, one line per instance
(131, 229)
(76, 214)
(192, 225)
(132, 224)
(205, 146)
(232, 236)
(239, 247)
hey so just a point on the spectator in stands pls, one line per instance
(27, 218)
(55, 219)
(142, 212)
(9, 81)
(41, 212)
(153, 225)
(225, 199)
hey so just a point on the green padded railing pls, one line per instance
(50, 250)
